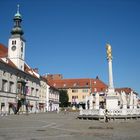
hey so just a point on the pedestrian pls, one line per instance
(106, 115)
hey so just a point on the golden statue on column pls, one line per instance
(109, 51)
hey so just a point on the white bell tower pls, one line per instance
(16, 44)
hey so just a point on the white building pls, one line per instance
(49, 96)
(53, 99)
(20, 85)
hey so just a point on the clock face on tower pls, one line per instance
(13, 48)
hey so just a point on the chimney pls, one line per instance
(54, 76)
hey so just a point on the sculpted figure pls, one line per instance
(109, 51)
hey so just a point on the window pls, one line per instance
(4, 73)
(21, 49)
(22, 44)
(74, 99)
(11, 75)
(32, 91)
(87, 84)
(19, 88)
(11, 84)
(75, 84)
(26, 90)
(13, 42)
(36, 92)
(4, 85)
(83, 96)
(74, 90)
(95, 89)
(85, 90)
(119, 103)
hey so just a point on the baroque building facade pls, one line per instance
(17, 85)
(21, 88)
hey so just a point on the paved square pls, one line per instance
(52, 126)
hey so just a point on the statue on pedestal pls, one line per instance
(109, 51)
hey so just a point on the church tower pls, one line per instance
(16, 44)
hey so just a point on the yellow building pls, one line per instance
(77, 89)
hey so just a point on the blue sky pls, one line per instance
(69, 37)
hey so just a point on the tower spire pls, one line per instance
(17, 30)
(18, 8)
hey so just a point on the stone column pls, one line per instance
(111, 98)
(110, 71)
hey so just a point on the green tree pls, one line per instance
(63, 98)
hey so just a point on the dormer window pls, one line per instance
(87, 84)
(95, 89)
(74, 84)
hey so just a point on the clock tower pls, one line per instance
(16, 44)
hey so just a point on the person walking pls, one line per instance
(106, 115)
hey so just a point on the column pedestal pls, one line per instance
(112, 100)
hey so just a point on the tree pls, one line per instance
(63, 98)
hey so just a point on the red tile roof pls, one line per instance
(11, 63)
(30, 71)
(85, 83)
(8, 62)
(3, 51)
(125, 89)
(79, 83)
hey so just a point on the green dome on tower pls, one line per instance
(18, 15)
(17, 30)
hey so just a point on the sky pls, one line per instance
(69, 37)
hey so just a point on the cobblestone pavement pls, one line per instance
(52, 126)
